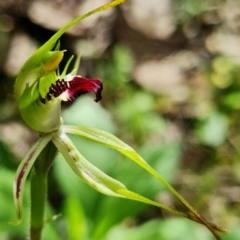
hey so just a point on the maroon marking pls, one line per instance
(21, 174)
(75, 161)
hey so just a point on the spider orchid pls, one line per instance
(42, 114)
(39, 90)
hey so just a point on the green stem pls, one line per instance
(39, 190)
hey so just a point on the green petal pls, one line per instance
(95, 177)
(111, 141)
(22, 173)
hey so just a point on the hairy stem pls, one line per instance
(39, 190)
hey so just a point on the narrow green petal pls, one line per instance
(95, 177)
(22, 173)
(84, 169)
(111, 141)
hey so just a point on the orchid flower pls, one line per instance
(39, 90)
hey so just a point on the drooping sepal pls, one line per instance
(95, 177)
(23, 171)
(113, 142)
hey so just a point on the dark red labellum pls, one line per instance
(74, 88)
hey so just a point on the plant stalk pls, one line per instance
(39, 187)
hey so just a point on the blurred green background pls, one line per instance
(171, 78)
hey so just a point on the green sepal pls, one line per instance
(23, 171)
(95, 177)
(109, 140)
